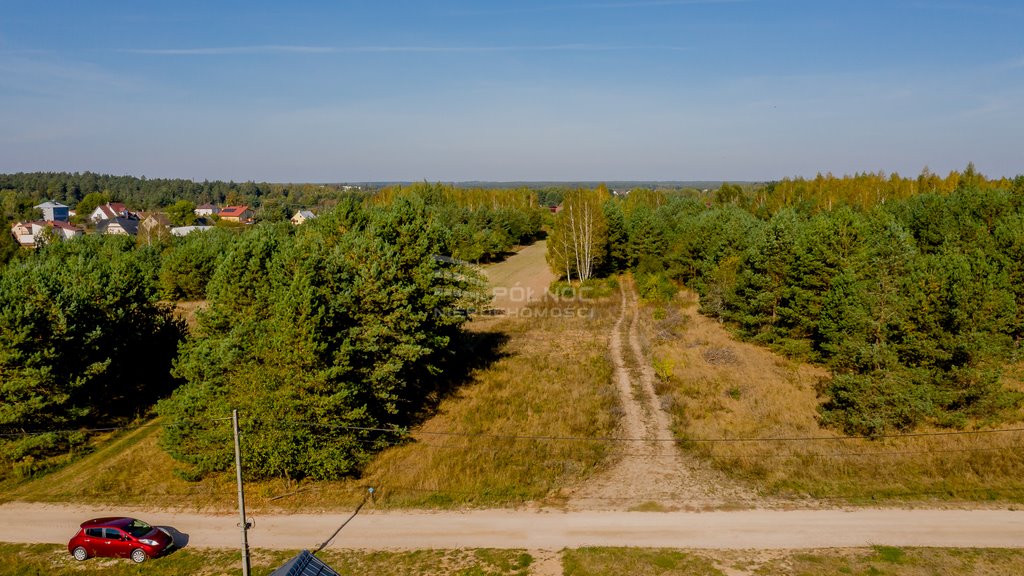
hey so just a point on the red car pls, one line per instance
(119, 538)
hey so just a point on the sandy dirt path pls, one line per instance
(650, 469)
(548, 530)
(519, 280)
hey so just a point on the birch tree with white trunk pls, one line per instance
(577, 242)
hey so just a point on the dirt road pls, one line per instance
(520, 280)
(650, 470)
(554, 530)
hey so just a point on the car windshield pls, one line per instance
(138, 528)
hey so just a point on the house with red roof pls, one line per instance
(32, 234)
(240, 214)
(109, 211)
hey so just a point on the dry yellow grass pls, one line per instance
(722, 391)
(187, 311)
(876, 560)
(552, 381)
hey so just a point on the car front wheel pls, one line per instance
(79, 553)
(139, 555)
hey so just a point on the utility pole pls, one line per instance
(241, 496)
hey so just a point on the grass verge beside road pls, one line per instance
(53, 560)
(28, 559)
(873, 561)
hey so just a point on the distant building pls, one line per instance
(25, 233)
(30, 234)
(301, 216)
(186, 230)
(155, 219)
(240, 214)
(118, 225)
(64, 230)
(155, 226)
(109, 211)
(206, 210)
(54, 211)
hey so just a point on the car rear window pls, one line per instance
(94, 532)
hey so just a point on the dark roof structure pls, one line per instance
(304, 564)
(129, 225)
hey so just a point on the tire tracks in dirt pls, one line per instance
(649, 471)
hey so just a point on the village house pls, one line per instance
(153, 221)
(240, 214)
(155, 226)
(206, 210)
(118, 225)
(186, 230)
(30, 234)
(301, 216)
(54, 211)
(25, 233)
(109, 211)
(64, 230)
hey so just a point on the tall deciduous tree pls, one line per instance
(182, 213)
(580, 234)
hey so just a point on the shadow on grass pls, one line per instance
(474, 352)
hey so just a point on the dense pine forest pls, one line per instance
(910, 290)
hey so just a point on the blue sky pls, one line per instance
(446, 90)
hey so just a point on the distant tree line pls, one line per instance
(915, 300)
(483, 224)
(272, 202)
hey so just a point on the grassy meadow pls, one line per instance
(723, 393)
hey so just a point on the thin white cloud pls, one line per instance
(56, 77)
(232, 50)
(624, 4)
(283, 49)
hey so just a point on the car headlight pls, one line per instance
(149, 542)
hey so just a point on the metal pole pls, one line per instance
(241, 496)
